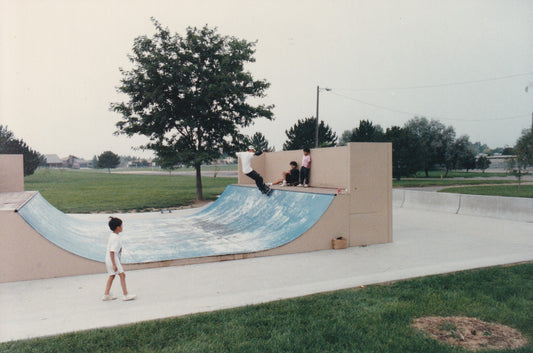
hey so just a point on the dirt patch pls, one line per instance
(470, 333)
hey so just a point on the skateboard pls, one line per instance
(267, 191)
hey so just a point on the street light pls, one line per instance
(317, 120)
(527, 90)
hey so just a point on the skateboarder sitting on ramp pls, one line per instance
(246, 165)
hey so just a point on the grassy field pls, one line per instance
(460, 174)
(499, 190)
(93, 191)
(85, 191)
(422, 182)
(372, 319)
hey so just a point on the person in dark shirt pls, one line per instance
(290, 178)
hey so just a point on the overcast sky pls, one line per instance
(464, 62)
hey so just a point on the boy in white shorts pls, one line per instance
(112, 261)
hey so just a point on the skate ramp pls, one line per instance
(242, 220)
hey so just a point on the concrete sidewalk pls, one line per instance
(425, 243)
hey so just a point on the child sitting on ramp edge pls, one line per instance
(291, 177)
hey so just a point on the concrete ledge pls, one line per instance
(510, 208)
(431, 201)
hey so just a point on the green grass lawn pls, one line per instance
(85, 191)
(372, 319)
(93, 191)
(495, 190)
(222, 167)
(421, 182)
(459, 174)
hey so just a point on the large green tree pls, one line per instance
(406, 151)
(10, 145)
(524, 149)
(188, 94)
(460, 154)
(302, 134)
(436, 139)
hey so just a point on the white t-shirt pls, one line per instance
(114, 244)
(246, 161)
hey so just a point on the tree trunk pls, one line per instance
(198, 167)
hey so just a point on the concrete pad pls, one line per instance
(425, 243)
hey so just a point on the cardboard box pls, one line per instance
(339, 243)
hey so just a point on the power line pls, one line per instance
(418, 114)
(456, 83)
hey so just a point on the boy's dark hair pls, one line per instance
(114, 223)
(307, 150)
(293, 163)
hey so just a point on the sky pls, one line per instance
(466, 63)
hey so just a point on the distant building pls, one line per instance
(137, 163)
(53, 161)
(500, 162)
(77, 163)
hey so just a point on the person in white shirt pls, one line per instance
(112, 261)
(246, 166)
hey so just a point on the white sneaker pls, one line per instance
(306, 186)
(129, 297)
(284, 183)
(109, 296)
(299, 185)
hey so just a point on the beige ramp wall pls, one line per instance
(11, 173)
(363, 172)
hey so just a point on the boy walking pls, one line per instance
(112, 261)
(306, 168)
(246, 165)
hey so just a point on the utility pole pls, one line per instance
(317, 119)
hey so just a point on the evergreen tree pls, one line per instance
(260, 143)
(10, 145)
(302, 134)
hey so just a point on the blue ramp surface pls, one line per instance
(242, 220)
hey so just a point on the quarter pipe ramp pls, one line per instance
(241, 222)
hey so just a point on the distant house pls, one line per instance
(500, 162)
(53, 161)
(77, 163)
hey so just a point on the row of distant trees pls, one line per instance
(420, 144)
(191, 95)
(33, 159)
